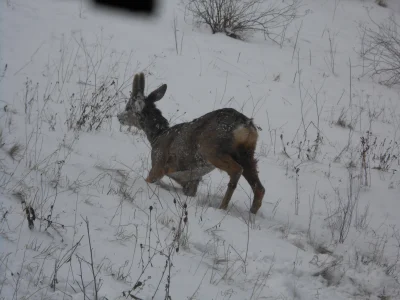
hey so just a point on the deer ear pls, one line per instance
(157, 94)
(135, 85)
(141, 83)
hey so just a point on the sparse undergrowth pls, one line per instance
(77, 220)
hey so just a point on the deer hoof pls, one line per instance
(149, 180)
(223, 207)
(254, 209)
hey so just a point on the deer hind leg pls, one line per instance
(229, 165)
(248, 162)
(251, 176)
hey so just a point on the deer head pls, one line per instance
(141, 112)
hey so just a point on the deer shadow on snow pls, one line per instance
(224, 139)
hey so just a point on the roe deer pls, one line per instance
(223, 139)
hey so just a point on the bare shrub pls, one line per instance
(11, 151)
(380, 51)
(342, 121)
(236, 18)
(340, 216)
(384, 154)
(382, 3)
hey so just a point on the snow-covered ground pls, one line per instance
(343, 241)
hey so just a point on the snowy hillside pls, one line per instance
(79, 221)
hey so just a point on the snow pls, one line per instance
(53, 53)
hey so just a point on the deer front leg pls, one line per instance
(157, 170)
(156, 173)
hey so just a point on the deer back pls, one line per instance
(187, 146)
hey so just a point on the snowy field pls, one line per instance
(78, 220)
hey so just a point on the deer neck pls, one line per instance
(155, 125)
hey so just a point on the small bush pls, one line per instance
(342, 122)
(380, 51)
(236, 18)
(382, 3)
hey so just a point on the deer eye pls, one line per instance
(139, 105)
